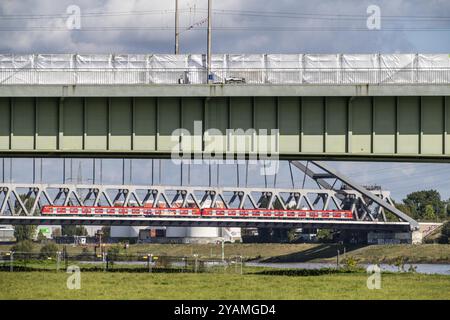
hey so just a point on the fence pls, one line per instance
(265, 76)
(112, 262)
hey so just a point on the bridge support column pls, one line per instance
(411, 237)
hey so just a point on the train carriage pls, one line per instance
(196, 212)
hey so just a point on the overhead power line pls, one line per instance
(275, 14)
(86, 14)
(321, 16)
(252, 29)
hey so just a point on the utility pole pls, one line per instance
(177, 33)
(208, 70)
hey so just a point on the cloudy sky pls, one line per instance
(245, 26)
(241, 26)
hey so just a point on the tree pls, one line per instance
(56, 232)
(41, 237)
(81, 231)
(417, 202)
(448, 208)
(68, 230)
(106, 233)
(71, 231)
(429, 213)
(22, 232)
(403, 208)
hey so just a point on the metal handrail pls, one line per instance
(278, 76)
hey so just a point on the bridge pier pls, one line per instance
(410, 237)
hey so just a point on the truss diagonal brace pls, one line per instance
(414, 224)
(311, 174)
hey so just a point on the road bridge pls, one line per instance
(369, 107)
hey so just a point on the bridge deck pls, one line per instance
(338, 106)
(290, 127)
(208, 222)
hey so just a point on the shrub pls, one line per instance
(302, 272)
(23, 246)
(350, 264)
(445, 233)
(400, 264)
(41, 237)
(49, 250)
(115, 252)
(23, 249)
(324, 235)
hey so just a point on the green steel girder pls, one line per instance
(336, 127)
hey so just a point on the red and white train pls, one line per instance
(195, 212)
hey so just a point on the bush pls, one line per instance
(23, 250)
(445, 233)
(303, 272)
(115, 252)
(23, 246)
(324, 235)
(49, 250)
(41, 237)
(350, 264)
(400, 263)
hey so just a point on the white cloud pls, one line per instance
(223, 41)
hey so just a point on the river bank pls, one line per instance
(288, 253)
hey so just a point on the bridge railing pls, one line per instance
(260, 76)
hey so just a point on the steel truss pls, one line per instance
(339, 194)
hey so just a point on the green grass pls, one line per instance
(99, 285)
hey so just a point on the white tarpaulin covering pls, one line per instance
(360, 68)
(73, 69)
(321, 68)
(246, 66)
(12, 64)
(284, 68)
(397, 68)
(439, 64)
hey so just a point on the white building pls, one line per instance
(6, 233)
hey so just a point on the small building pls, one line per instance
(7, 233)
(152, 235)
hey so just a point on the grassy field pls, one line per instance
(99, 285)
(426, 253)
